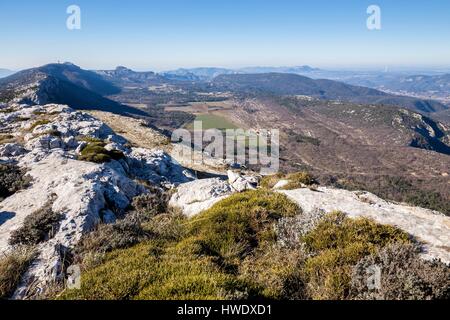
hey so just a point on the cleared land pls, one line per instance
(212, 121)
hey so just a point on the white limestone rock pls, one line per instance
(280, 184)
(430, 227)
(11, 150)
(241, 183)
(196, 196)
(82, 192)
(157, 167)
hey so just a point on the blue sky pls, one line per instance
(166, 34)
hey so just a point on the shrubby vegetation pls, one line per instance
(404, 276)
(191, 259)
(268, 182)
(152, 203)
(232, 251)
(37, 227)
(336, 245)
(12, 179)
(12, 266)
(38, 123)
(6, 138)
(95, 151)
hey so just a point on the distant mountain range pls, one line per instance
(122, 76)
(197, 74)
(291, 84)
(69, 84)
(208, 74)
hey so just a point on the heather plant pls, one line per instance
(404, 275)
(12, 179)
(37, 227)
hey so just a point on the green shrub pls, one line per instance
(336, 245)
(190, 259)
(37, 227)
(96, 152)
(12, 179)
(403, 276)
(21, 119)
(155, 271)
(276, 271)
(6, 110)
(12, 266)
(107, 237)
(167, 227)
(89, 139)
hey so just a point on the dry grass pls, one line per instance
(12, 267)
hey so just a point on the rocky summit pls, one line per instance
(77, 175)
(46, 142)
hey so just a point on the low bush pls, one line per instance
(232, 228)
(12, 266)
(403, 276)
(12, 179)
(89, 139)
(276, 271)
(268, 182)
(167, 226)
(298, 180)
(152, 203)
(37, 227)
(155, 271)
(336, 245)
(190, 259)
(107, 237)
(231, 251)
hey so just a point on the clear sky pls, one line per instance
(166, 34)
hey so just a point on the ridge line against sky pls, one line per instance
(162, 35)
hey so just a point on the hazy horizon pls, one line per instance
(156, 35)
(350, 68)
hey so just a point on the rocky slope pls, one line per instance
(63, 84)
(46, 140)
(49, 140)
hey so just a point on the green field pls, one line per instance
(212, 121)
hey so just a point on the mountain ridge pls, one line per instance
(292, 84)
